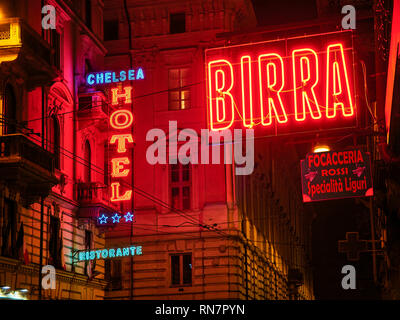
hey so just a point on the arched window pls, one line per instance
(88, 163)
(10, 111)
(54, 140)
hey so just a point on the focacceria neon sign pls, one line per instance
(299, 82)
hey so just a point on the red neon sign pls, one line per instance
(120, 120)
(284, 86)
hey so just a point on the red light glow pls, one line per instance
(291, 85)
(115, 119)
(116, 95)
(121, 139)
(121, 119)
(115, 193)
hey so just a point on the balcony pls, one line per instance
(93, 109)
(27, 166)
(22, 45)
(93, 199)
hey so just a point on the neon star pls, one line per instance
(128, 217)
(103, 219)
(116, 218)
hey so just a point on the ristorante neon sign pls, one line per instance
(284, 86)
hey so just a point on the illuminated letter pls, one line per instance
(117, 165)
(270, 68)
(305, 61)
(221, 102)
(116, 95)
(99, 78)
(115, 193)
(121, 138)
(337, 94)
(90, 79)
(139, 74)
(247, 91)
(119, 252)
(116, 115)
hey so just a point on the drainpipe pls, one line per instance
(132, 153)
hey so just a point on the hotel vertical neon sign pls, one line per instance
(121, 120)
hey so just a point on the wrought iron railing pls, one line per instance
(19, 147)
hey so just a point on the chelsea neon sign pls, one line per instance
(110, 253)
(107, 77)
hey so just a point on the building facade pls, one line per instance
(198, 241)
(48, 156)
(200, 230)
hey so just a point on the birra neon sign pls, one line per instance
(300, 83)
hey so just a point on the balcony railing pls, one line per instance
(18, 147)
(93, 196)
(91, 192)
(27, 165)
(19, 41)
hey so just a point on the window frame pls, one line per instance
(180, 184)
(114, 278)
(9, 217)
(177, 29)
(56, 259)
(181, 89)
(116, 35)
(181, 269)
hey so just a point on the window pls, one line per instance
(181, 269)
(88, 13)
(179, 91)
(113, 274)
(88, 247)
(180, 185)
(85, 102)
(111, 30)
(10, 111)
(9, 229)
(55, 243)
(88, 66)
(87, 176)
(54, 39)
(177, 23)
(53, 144)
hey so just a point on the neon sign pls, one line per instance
(336, 175)
(121, 120)
(115, 218)
(109, 253)
(285, 86)
(108, 77)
